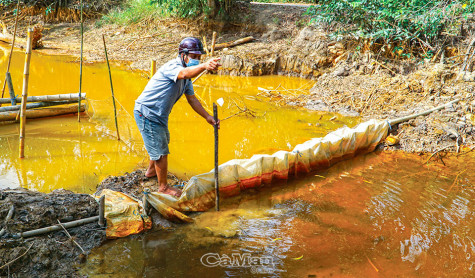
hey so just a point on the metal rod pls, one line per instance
(26, 75)
(46, 98)
(216, 141)
(10, 88)
(56, 227)
(112, 88)
(36, 105)
(102, 201)
(13, 45)
(80, 65)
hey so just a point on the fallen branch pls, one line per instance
(436, 152)
(70, 237)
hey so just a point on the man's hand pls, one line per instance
(212, 64)
(211, 121)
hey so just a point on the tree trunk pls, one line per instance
(213, 8)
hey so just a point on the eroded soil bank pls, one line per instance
(370, 83)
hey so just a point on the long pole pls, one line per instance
(80, 66)
(26, 75)
(13, 44)
(216, 173)
(112, 88)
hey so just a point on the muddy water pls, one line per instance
(378, 215)
(62, 153)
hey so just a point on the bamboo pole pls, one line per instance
(153, 68)
(80, 65)
(233, 43)
(36, 105)
(198, 77)
(216, 168)
(406, 118)
(41, 113)
(213, 43)
(10, 88)
(57, 227)
(26, 75)
(206, 46)
(13, 45)
(112, 88)
(46, 98)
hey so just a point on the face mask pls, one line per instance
(192, 62)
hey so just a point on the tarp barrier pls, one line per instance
(124, 216)
(241, 174)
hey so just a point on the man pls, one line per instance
(154, 105)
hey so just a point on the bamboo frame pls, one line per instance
(26, 75)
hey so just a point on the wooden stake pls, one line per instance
(80, 65)
(10, 88)
(153, 68)
(112, 88)
(216, 141)
(206, 46)
(26, 75)
(13, 44)
(213, 43)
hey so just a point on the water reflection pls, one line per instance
(356, 219)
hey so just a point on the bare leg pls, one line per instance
(151, 170)
(161, 168)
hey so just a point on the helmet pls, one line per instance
(191, 45)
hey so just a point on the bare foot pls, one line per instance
(174, 192)
(150, 174)
(170, 191)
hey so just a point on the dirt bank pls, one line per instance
(53, 254)
(348, 81)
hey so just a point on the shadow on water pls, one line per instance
(379, 214)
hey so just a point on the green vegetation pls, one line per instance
(287, 1)
(132, 11)
(416, 23)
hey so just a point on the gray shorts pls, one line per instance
(155, 136)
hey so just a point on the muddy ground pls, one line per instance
(53, 254)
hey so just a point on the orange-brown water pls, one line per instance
(62, 153)
(378, 215)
